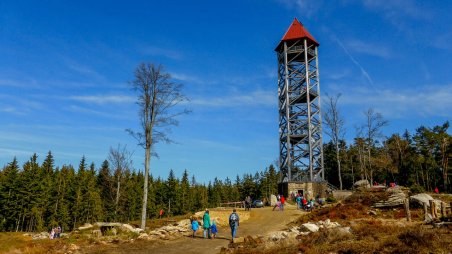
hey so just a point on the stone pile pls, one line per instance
(306, 229)
(181, 228)
(38, 236)
(364, 184)
(396, 198)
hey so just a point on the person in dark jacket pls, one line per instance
(234, 222)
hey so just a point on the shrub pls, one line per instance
(331, 199)
(416, 189)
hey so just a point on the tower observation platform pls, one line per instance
(300, 120)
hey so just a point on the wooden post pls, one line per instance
(407, 209)
(432, 208)
(443, 210)
(425, 211)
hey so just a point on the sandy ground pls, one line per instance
(261, 221)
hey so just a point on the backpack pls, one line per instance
(233, 218)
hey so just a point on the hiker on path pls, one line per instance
(283, 200)
(194, 225)
(206, 224)
(248, 203)
(298, 199)
(234, 223)
(214, 229)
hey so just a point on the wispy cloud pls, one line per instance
(256, 98)
(157, 51)
(104, 99)
(307, 7)
(395, 8)
(30, 83)
(368, 48)
(361, 68)
(84, 70)
(425, 101)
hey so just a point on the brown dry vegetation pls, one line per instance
(388, 232)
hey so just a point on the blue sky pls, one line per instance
(65, 67)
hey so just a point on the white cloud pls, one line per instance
(157, 51)
(394, 8)
(256, 98)
(104, 99)
(307, 8)
(425, 101)
(368, 48)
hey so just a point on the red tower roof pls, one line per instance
(297, 31)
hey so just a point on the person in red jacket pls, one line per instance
(283, 200)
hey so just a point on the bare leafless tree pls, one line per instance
(158, 97)
(336, 131)
(373, 126)
(121, 160)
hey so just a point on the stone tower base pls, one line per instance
(307, 189)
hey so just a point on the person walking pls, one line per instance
(283, 200)
(194, 225)
(214, 229)
(298, 200)
(234, 223)
(248, 203)
(206, 224)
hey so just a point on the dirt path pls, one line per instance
(261, 222)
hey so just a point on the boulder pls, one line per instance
(278, 235)
(107, 224)
(143, 236)
(422, 198)
(362, 184)
(311, 227)
(85, 226)
(42, 235)
(396, 198)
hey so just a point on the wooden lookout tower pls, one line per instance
(300, 124)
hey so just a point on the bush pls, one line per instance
(416, 189)
(331, 199)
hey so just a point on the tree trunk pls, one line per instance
(338, 166)
(145, 190)
(117, 197)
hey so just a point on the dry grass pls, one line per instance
(388, 232)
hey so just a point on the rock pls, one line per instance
(362, 184)
(73, 247)
(108, 224)
(85, 226)
(143, 236)
(239, 240)
(343, 230)
(42, 235)
(372, 212)
(396, 198)
(422, 198)
(186, 223)
(311, 227)
(278, 235)
(127, 227)
(96, 233)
